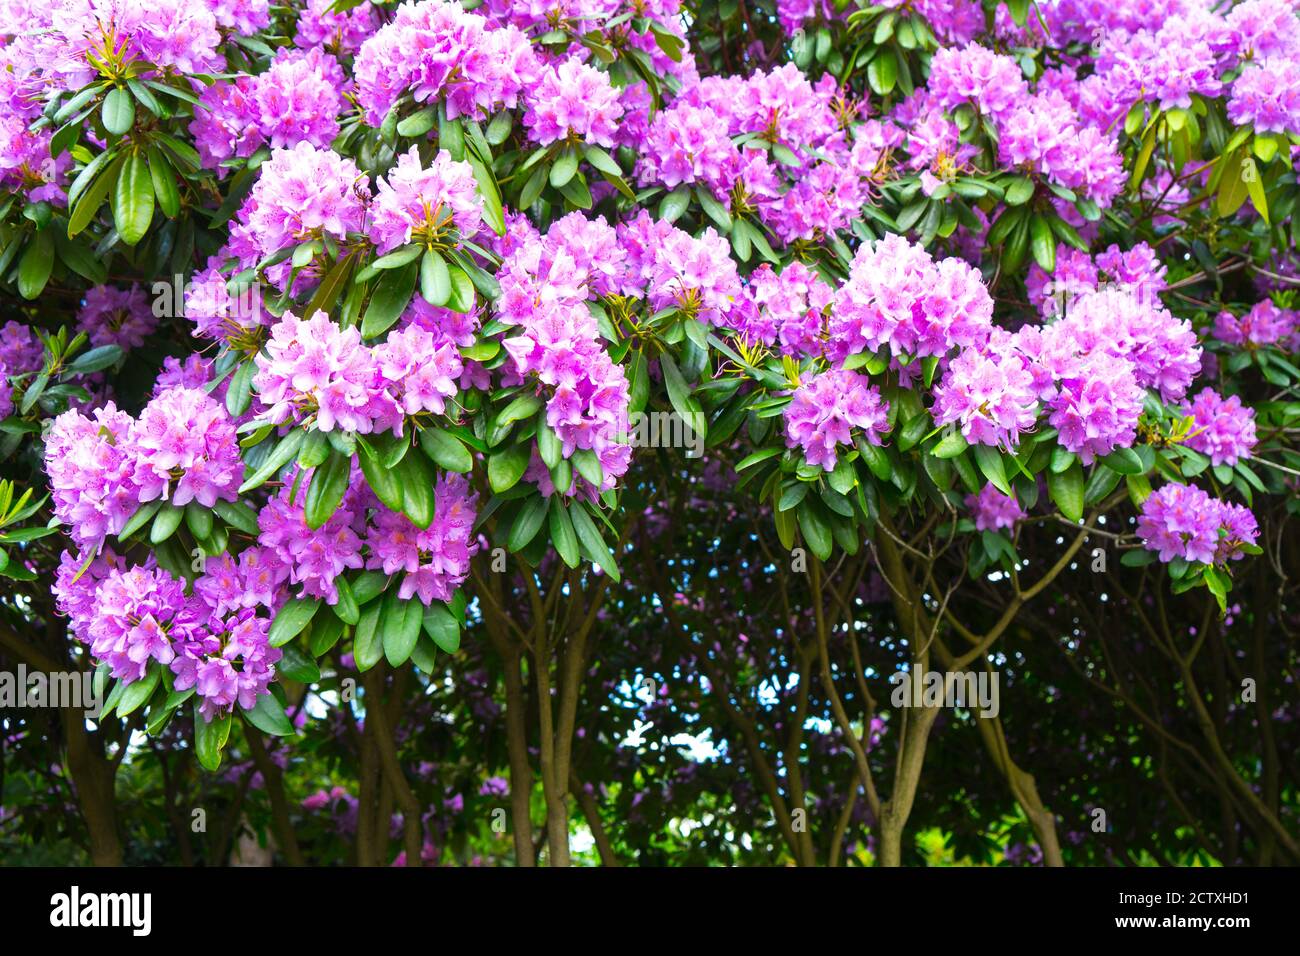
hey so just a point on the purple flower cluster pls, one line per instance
(546, 282)
(435, 560)
(183, 448)
(897, 295)
(302, 193)
(789, 307)
(437, 51)
(424, 204)
(573, 101)
(993, 511)
(826, 408)
(1224, 429)
(1264, 324)
(112, 316)
(297, 100)
(1182, 521)
(991, 395)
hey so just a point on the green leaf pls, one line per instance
(563, 168)
(291, 619)
(435, 279)
(35, 266)
(446, 451)
(400, 627)
(118, 111)
(442, 627)
(269, 717)
(138, 692)
(674, 204)
(592, 543)
(951, 445)
(416, 480)
(209, 738)
(164, 183)
(329, 482)
(389, 300)
(367, 642)
(139, 519)
(1042, 243)
(1066, 490)
(165, 523)
(563, 535)
(1125, 461)
(1019, 191)
(505, 468)
(199, 520)
(815, 529)
(382, 480)
(989, 460)
(89, 190)
(283, 454)
(133, 199)
(527, 523)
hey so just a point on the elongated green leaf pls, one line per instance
(133, 199)
(290, 620)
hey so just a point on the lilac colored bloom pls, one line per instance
(573, 102)
(91, 467)
(140, 614)
(992, 510)
(301, 193)
(826, 408)
(342, 32)
(20, 350)
(1267, 94)
(1182, 521)
(421, 369)
(1224, 428)
(437, 51)
(1097, 407)
(789, 308)
(422, 204)
(992, 396)
(183, 435)
(897, 295)
(1163, 349)
(112, 316)
(314, 558)
(435, 559)
(228, 663)
(1264, 324)
(990, 81)
(316, 367)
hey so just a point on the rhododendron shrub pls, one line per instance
(313, 308)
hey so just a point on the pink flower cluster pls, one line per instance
(546, 282)
(573, 101)
(112, 316)
(1264, 324)
(297, 100)
(789, 307)
(312, 558)
(435, 560)
(897, 295)
(993, 511)
(420, 203)
(992, 396)
(133, 617)
(436, 51)
(102, 467)
(1224, 429)
(826, 408)
(302, 193)
(1182, 521)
